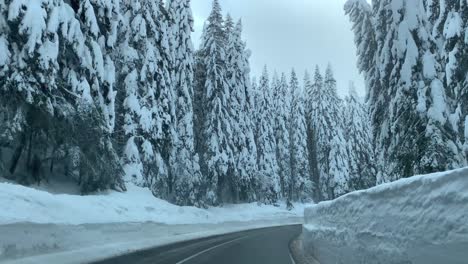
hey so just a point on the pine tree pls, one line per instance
(338, 167)
(158, 104)
(217, 131)
(269, 182)
(449, 22)
(60, 94)
(240, 105)
(361, 16)
(5, 52)
(187, 169)
(301, 182)
(359, 143)
(317, 134)
(311, 90)
(101, 22)
(281, 106)
(327, 128)
(132, 87)
(411, 108)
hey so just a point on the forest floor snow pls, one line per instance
(37, 226)
(423, 219)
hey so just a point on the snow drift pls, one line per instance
(423, 219)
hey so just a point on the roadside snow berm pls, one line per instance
(423, 219)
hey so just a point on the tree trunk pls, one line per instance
(16, 156)
(29, 149)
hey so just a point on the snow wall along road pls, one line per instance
(423, 219)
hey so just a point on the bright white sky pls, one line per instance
(292, 33)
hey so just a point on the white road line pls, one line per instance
(292, 259)
(209, 249)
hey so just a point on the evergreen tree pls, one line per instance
(311, 90)
(359, 138)
(412, 110)
(361, 16)
(5, 52)
(56, 95)
(228, 29)
(269, 182)
(217, 131)
(145, 99)
(281, 106)
(158, 111)
(300, 171)
(99, 22)
(449, 22)
(327, 126)
(101, 19)
(132, 88)
(187, 169)
(240, 105)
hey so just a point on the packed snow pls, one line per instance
(417, 220)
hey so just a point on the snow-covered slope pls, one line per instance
(22, 204)
(423, 219)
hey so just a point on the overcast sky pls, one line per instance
(292, 33)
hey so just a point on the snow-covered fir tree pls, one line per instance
(95, 90)
(101, 19)
(187, 168)
(282, 110)
(145, 105)
(135, 93)
(25, 84)
(310, 90)
(217, 155)
(360, 14)
(449, 21)
(240, 104)
(268, 177)
(61, 100)
(99, 22)
(358, 135)
(415, 118)
(157, 116)
(326, 115)
(301, 183)
(338, 167)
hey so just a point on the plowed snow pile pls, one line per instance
(423, 219)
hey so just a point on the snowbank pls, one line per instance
(40, 227)
(22, 204)
(423, 219)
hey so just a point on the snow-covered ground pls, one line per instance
(23, 204)
(423, 219)
(64, 228)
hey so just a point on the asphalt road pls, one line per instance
(268, 245)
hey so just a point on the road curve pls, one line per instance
(267, 245)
